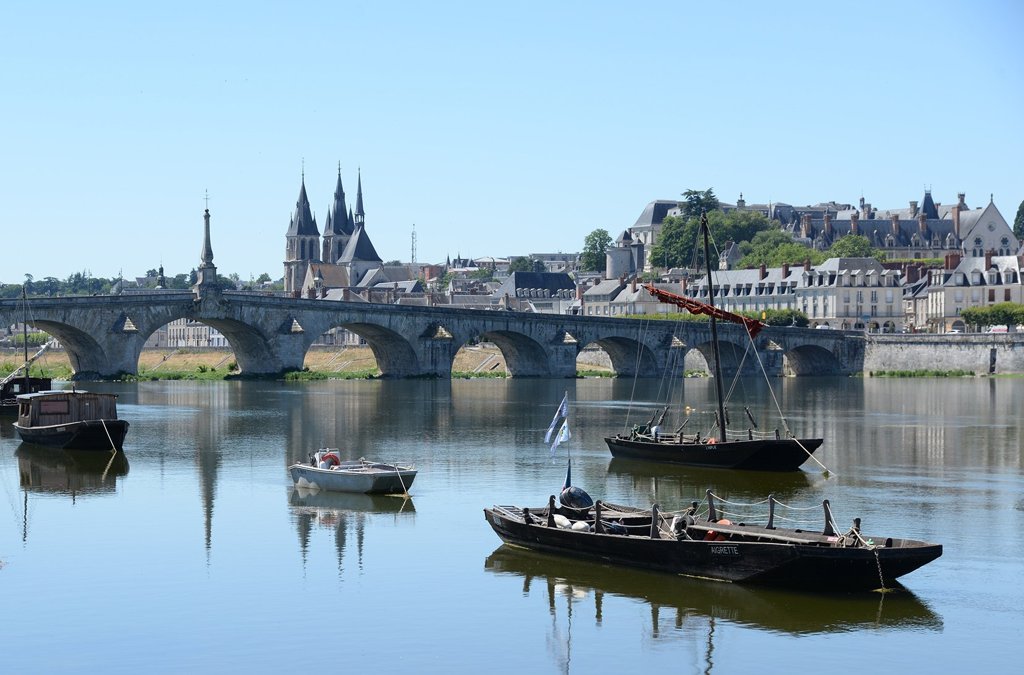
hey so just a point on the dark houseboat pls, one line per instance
(72, 420)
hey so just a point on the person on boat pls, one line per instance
(656, 432)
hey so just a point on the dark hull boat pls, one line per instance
(714, 548)
(10, 390)
(71, 420)
(783, 454)
(730, 449)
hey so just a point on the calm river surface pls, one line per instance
(198, 556)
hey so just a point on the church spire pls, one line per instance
(338, 228)
(360, 214)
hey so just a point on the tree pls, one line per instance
(482, 274)
(774, 248)
(1018, 223)
(527, 264)
(263, 278)
(678, 239)
(595, 246)
(694, 201)
(852, 246)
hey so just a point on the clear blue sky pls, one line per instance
(497, 128)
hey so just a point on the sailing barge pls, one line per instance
(714, 547)
(727, 450)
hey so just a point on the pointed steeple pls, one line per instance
(360, 214)
(303, 223)
(338, 228)
(302, 242)
(336, 214)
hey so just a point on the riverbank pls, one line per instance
(320, 363)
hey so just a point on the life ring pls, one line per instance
(717, 536)
(331, 458)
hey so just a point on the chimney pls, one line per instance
(952, 261)
(632, 286)
(805, 225)
(855, 225)
(960, 201)
(785, 270)
(956, 218)
(988, 260)
(913, 208)
(895, 225)
(922, 224)
(807, 265)
(913, 273)
(828, 223)
(764, 272)
(865, 209)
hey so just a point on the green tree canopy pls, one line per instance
(678, 240)
(1018, 223)
(773, 248)
(595, 245)
(527, 264)
(695, 201)
(483, 274)
(852, 246)
(1000, 314)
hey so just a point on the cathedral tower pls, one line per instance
(302, 243)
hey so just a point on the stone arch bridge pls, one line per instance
(104, 336)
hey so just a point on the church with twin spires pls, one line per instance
(344, 258)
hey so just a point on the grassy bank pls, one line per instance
(320, 363)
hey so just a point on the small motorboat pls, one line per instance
(326, 470)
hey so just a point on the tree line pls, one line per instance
(83, 283)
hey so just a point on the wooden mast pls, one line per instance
(714, 328)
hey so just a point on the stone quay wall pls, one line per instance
(979, 353)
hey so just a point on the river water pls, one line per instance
(195, 554)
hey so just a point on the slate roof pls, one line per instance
(359, 248)
(546, 284)
(303, 223)
(654, 213)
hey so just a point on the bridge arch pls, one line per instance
(811, 360)
(629, 357)
(87, 356)
(524, 356)
(395, 356)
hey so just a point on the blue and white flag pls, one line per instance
(563, 436)
(560, 414)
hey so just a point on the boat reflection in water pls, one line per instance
(675, 483)
(677, 602)
(344, 513)
(74, 472)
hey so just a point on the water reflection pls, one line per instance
(344, 514)
(689, 607)
(673, 484)
(72, 472)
